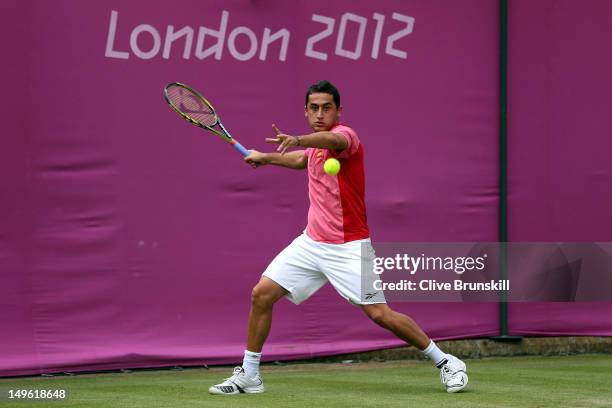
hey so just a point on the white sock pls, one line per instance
(250, 363)
(434, 353)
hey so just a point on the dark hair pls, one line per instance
(324, 87)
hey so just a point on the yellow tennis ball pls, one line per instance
(331, 166)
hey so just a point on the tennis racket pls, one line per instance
(195, 109)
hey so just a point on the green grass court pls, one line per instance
(560, 381)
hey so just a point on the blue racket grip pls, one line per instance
(242, 150)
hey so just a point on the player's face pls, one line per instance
(322, 112)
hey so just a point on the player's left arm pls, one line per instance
(321, 140)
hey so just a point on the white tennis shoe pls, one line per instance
(453, 373)
(238, 383)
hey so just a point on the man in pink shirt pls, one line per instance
(334, 247)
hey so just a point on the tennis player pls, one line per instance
(330, 249)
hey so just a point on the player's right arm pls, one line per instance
(296, 159)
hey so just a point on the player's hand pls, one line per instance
(284, 141)
(256, 158)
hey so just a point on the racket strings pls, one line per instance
(192, 105)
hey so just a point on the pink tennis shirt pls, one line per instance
(337, 212)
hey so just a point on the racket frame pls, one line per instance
(224, 133)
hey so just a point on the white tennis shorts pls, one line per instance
(306, 265)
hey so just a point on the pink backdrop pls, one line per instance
(130, 239)
(560, 170)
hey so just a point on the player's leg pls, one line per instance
(246, 378)
(264, 295)
(452, 370)
(349, 268)
(401, 325)
(292, 274)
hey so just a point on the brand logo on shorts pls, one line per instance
(369, 296)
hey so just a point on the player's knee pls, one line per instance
(260, 297)
(380, 316)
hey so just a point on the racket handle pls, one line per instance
(241, 148)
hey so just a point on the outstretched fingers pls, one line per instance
(277, 139)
